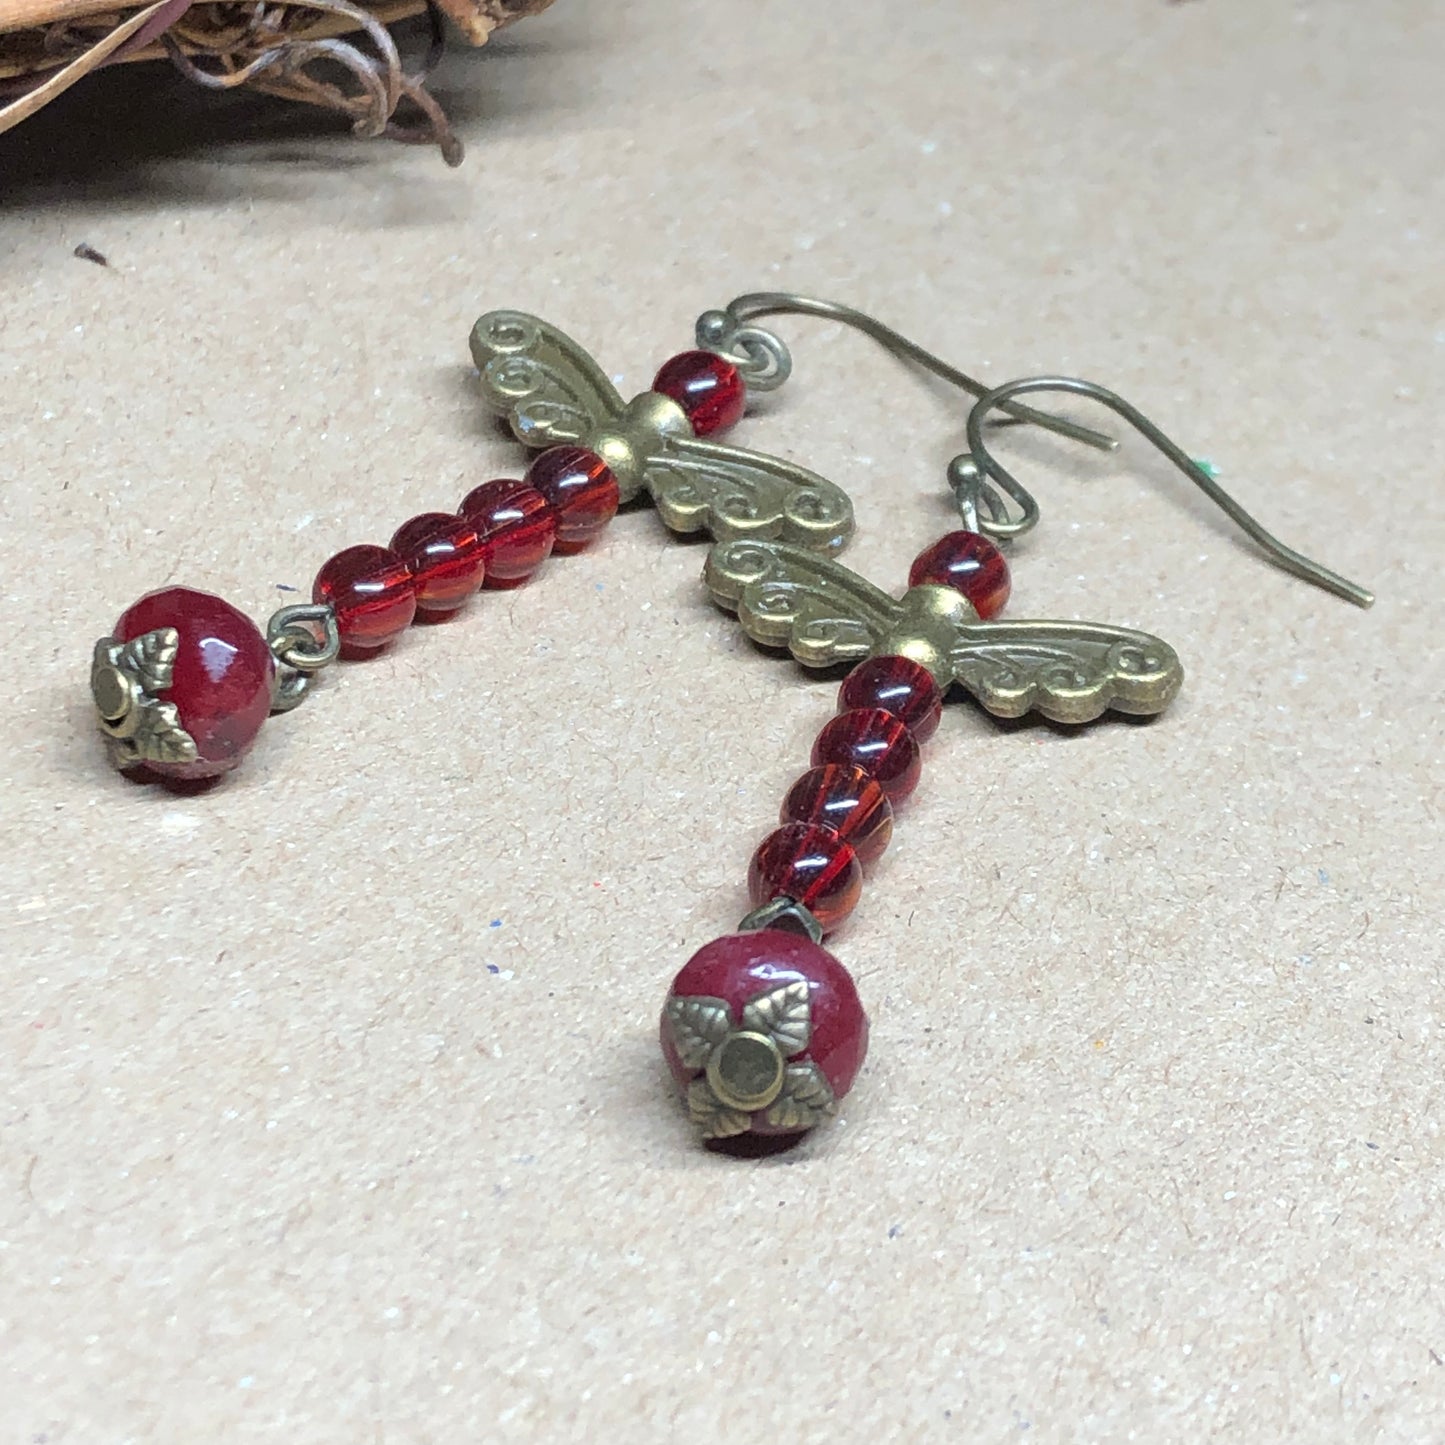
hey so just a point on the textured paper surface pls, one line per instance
(331, 1102)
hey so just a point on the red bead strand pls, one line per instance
(838, 816)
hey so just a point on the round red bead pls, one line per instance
(581, 490)
(970, 564)
(708, 388)
(878, 743)
(742, 967)
(811, 865)
(897, 685)
(846, 801)
(517, 528)
(373, 594)
(221, 678)
(444, 554)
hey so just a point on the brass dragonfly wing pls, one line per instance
(552, 392)
(825, 614)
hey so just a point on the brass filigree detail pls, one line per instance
(710, 1116)
(742, 1066)
(125, 678)
(805, 1100)
(825, 614)
(698, 1026)
(551, 392)
(784, 1015)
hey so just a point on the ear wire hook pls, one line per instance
(766, 362)
(974, 474)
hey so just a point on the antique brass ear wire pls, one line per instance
(973, 476)
(766, 363)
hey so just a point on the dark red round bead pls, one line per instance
(444, 554)
(581, 490)
(897, 685)
(846, 801)
(878, 743)
(373, 594)
(812, 866)
(516, 526)
(709, 389)
(221, 678)
(743, 966)
(969, 563)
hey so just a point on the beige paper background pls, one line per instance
(1148, 1145)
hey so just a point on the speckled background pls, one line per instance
(329, 1100)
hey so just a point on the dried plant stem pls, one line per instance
(335, 54)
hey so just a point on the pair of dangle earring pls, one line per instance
(185, 680)
(763, 1030)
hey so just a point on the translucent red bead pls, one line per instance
(811, 865)
(221, 677)
(373, 594)
(710, 390)
(897, 685)
(580, 488)
(517, 529)
(846, 801)
(445, 557)
(876, 742)
(742, 967)
(970, 564)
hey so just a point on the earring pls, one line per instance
(185, 680)
(763, 1030)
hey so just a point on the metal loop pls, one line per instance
(974, 491)
(977, 478)
(293, 641)
(762, 357)
(729, 333)
(785, 914)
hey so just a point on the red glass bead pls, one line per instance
(710, 390)
(372, 593)
(221, 678)
(743, 967)
(517, 528)
(970, 564)
(878, 743)
(846, 801)
(581, 490)
(444, 554)
(811, 865)
(897, 685)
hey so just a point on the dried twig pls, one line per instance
(283, 47)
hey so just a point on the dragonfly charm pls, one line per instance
(826, 614)
(552, 393)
